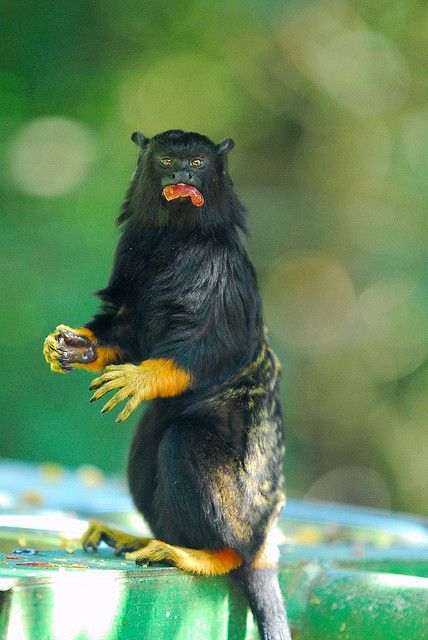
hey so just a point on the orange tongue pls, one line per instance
(181, 190)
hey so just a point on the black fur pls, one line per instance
(205, 467)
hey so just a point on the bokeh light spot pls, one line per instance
(51, 156)
(390, 329)
(362, 72)
(356, 485)
(308, 301)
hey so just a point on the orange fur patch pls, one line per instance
(197, 561)
(166, 379)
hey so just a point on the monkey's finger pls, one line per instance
(130, 406)
(105, 388)
(73, 338)
(118, 397)
(106, 377)
(111, 368)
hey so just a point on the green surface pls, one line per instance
(361, 606)
(327, 598)
(364, 576)
(327, 103)
(347, 574)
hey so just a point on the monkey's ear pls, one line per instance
(225, 146)
(139, 139)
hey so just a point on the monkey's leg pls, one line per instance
(197, 561)
(66, 349)
(98, 531)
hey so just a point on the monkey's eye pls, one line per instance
(166, 162)
(197, 162)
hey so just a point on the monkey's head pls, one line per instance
(182, 179)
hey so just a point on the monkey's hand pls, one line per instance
(66, 348)
(157, 378)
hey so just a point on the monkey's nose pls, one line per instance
(181, 176)
(187, 177)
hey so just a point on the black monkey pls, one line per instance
(182, 323)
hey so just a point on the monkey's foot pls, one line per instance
(197, 561)
(98, 532)
(151, 379)
(66, 348)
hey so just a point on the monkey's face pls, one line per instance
(186, 169)
(183, 176)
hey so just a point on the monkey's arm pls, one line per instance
(106, 339)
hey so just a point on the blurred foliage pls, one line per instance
(327, 102)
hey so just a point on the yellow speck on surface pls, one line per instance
(315, 600)
(32, 497)
(22, 541)
(308, 535)
(90, 476)
(51, 472)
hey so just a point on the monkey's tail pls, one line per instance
(261, 588)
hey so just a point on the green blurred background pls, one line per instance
(328, 106)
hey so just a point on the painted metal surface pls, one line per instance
(335, 591)
(347, 574)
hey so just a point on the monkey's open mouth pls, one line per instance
(182, 190)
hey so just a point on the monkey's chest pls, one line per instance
(169, 304)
